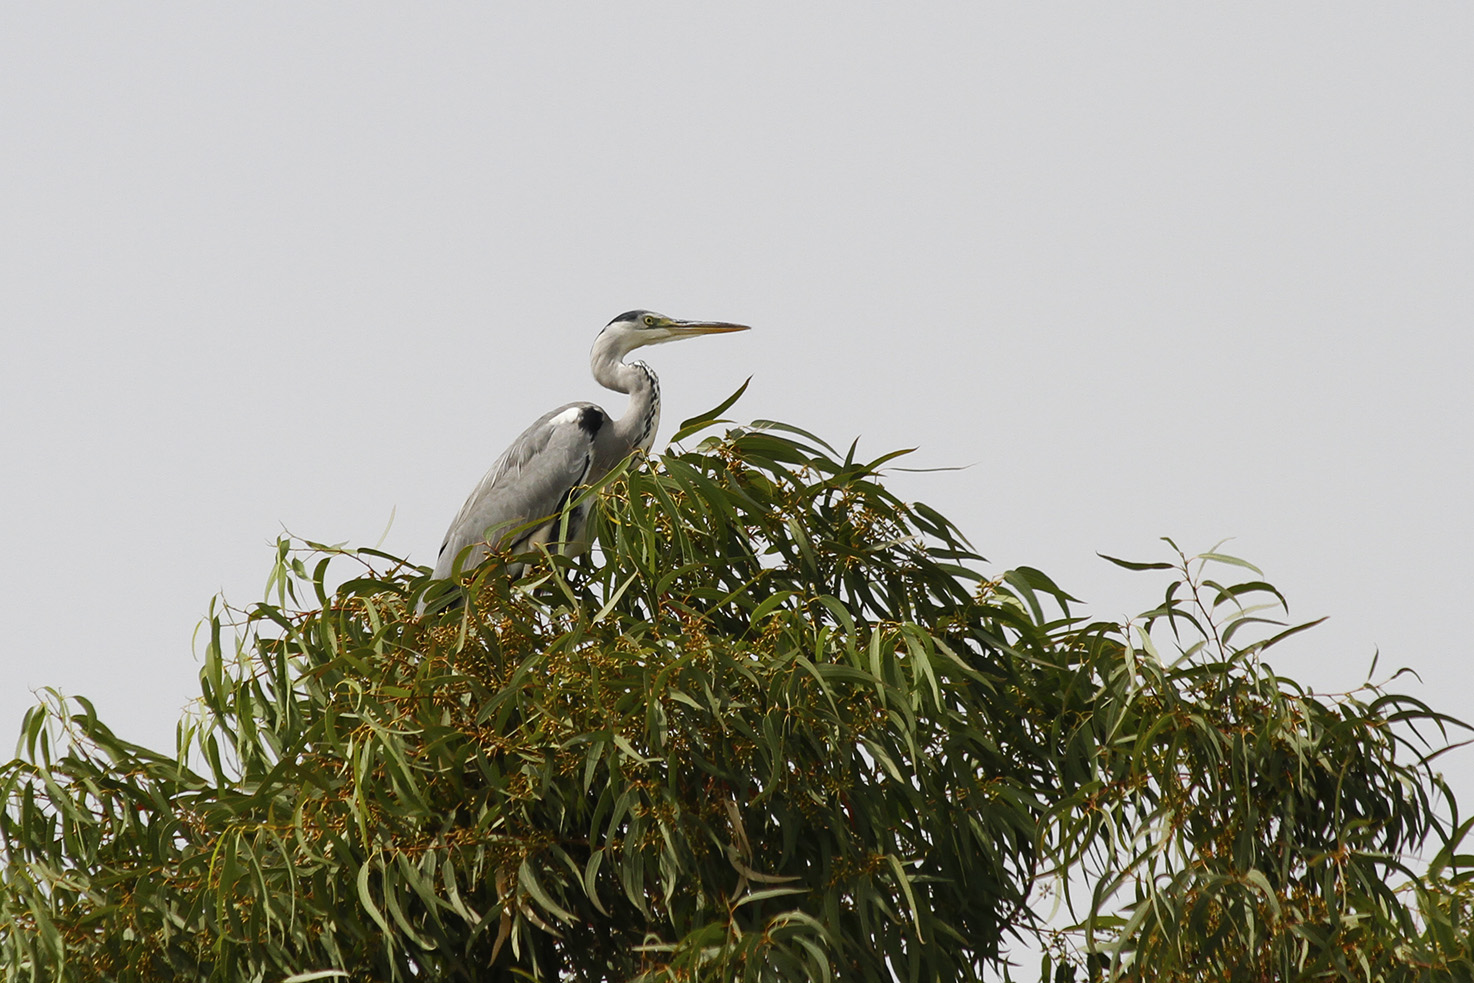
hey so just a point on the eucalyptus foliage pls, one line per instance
(780, 725)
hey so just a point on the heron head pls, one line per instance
(635, 329)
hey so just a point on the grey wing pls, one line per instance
(529, 481)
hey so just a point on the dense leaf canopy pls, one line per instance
(779, 726)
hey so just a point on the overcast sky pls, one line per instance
(1149, 269)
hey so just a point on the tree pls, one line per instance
(784, 726)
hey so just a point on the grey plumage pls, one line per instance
(566, 449)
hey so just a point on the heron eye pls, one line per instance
(649, 321)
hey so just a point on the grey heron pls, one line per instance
(572, 446)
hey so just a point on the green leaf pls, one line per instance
(905, 884)
(529, 881)
(1134, 565)
(365, 898)
(702, 420)
(1231, 560)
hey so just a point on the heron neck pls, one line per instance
(641, 418)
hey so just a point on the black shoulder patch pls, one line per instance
(627, 316)
(591, 419)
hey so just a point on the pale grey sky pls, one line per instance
(1151, 269)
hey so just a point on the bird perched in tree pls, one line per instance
(567, 448)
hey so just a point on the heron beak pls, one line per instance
(689, 329)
